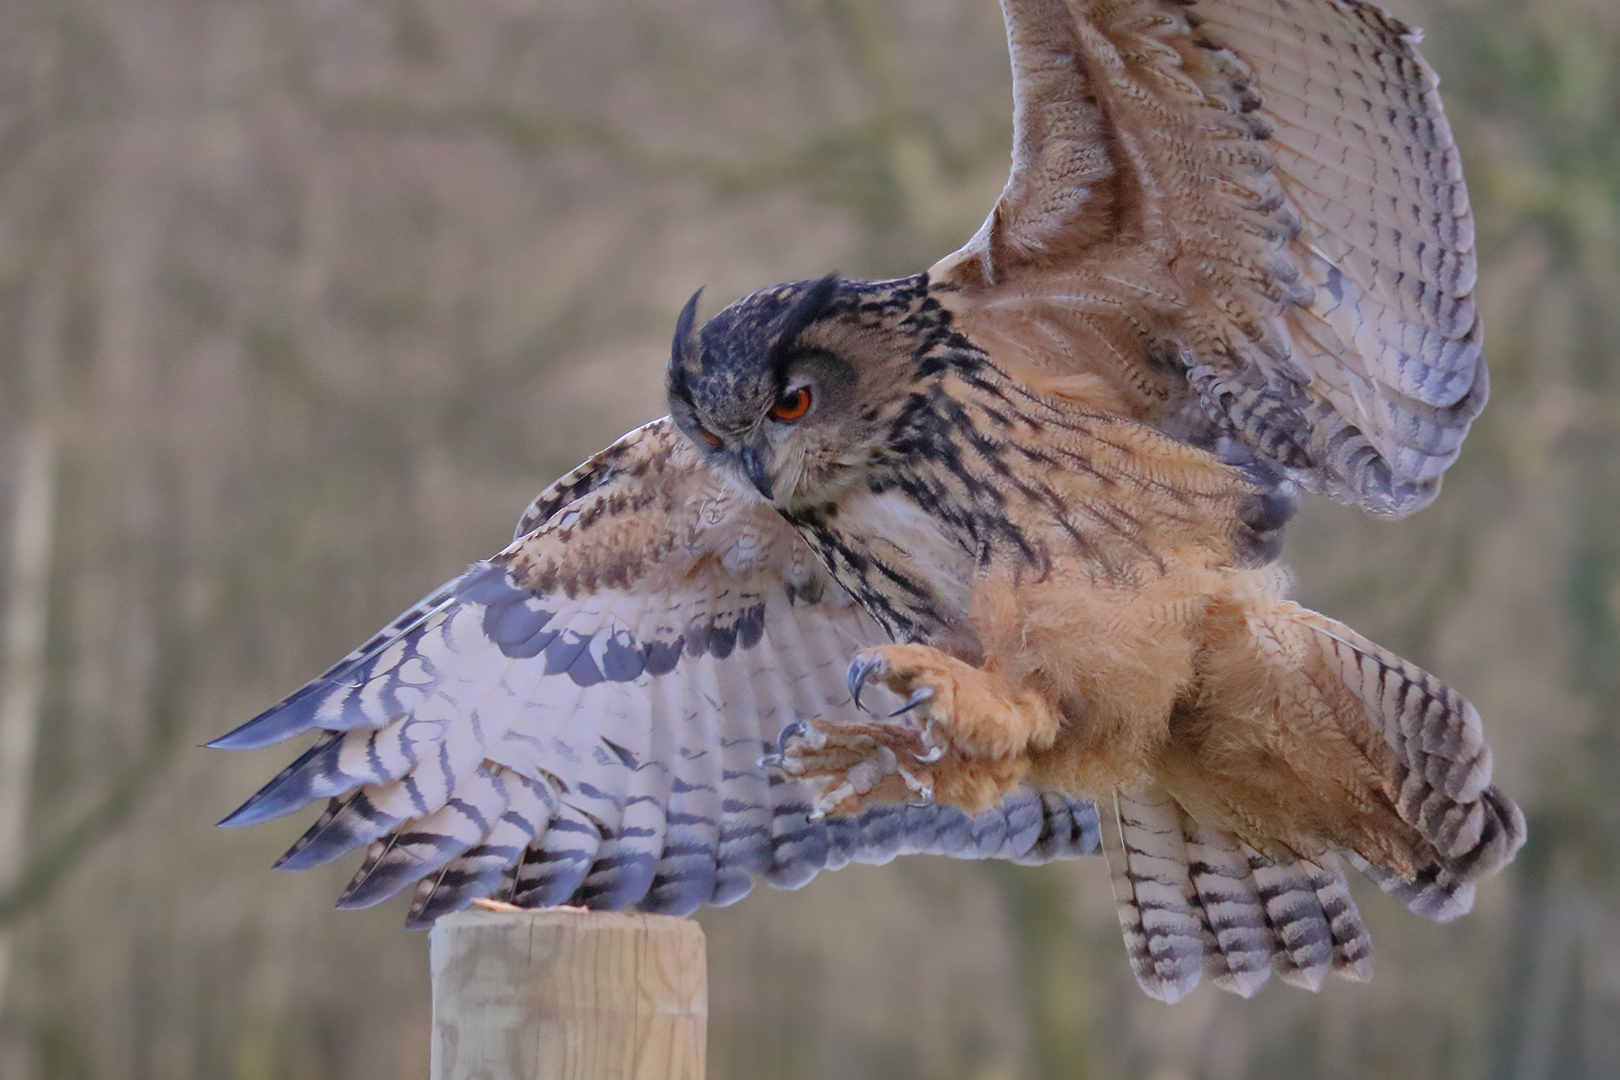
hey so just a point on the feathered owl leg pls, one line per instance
(962, 735)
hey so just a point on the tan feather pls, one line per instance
(1263, 200)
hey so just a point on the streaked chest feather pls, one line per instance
(899, 561)
(913, 545)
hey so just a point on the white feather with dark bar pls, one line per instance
(1194, 900)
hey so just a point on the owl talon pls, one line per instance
(920, 696)
(800, 732)
(830, 800)
(771, 762)
(864, 669)
(914, 754)
(923, 790)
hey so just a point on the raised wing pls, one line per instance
(580, 719)
(1249, 216)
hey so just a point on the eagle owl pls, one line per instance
(981, 562)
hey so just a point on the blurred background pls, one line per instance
(302, 300)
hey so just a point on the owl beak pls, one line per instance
(753, 463)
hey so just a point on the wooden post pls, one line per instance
(568, 995)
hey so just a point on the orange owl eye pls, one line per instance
(793, 406)
(710, 437)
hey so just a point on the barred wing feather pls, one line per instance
(1242, 213)
(580, 719)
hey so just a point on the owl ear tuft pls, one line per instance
(685, 339)
(806, 310)
(684, 350)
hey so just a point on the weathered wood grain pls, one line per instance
(568, 995)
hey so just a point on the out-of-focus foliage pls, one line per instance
(312, 295)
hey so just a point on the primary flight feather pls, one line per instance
(944, 563)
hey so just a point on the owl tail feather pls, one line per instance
(1438, 777)
(1412, 806)
(1193, 899)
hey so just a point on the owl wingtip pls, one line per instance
(293, 716)
(246, 737)
(243, 815)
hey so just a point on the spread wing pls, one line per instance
(1249, 216)
(580, 719)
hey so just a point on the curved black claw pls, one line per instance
(919, 696)
(794, 730)
(861, 671)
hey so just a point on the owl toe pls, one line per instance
(867, 667)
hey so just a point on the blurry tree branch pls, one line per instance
(1051, 971)
(1544, 90)
(889, 164)
(22, 645)
(22, 652)
(56, 856)
(30, 873)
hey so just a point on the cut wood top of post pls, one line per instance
(568, 995)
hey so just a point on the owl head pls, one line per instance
(779, 387)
